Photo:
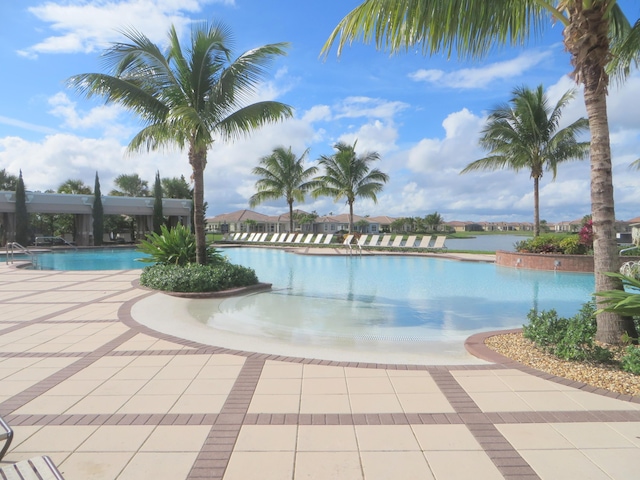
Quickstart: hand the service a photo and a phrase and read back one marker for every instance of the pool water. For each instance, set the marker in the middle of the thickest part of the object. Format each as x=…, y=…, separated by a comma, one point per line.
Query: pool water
x=384, y=305
x=388, y=297
x=90, y=259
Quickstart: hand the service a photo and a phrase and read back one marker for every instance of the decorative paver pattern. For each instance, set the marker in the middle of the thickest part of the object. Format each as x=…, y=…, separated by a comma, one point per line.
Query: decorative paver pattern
x=108, y=398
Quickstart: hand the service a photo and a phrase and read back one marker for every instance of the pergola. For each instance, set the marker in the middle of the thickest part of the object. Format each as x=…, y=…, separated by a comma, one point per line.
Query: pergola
x=141, y=208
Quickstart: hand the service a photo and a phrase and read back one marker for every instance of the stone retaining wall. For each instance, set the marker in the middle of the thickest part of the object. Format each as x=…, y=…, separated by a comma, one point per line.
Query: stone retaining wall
x=556, y=262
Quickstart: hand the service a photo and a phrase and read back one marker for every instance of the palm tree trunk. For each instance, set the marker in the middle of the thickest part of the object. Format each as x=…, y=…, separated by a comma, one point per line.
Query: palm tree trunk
x=198, y=160
x=611, y=327
x=290, y=217
x=350, y=217
x=536, y=206
x=586, y=38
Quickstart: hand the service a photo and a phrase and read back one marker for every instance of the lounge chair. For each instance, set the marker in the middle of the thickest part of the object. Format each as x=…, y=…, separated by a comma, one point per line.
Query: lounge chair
x=319, y=238
x=260, y=237
x=439, y=244
x=274, y=237
x=6, y=435
x=282, y=238
x=425, y=241
x=397, y=242
x=290, y=237
x=36, y=468
x=298, y=238
x=347, y=241
x=235, y=236
x=411, y=241
x=362, y=240
x=385, y=241
x=308, y=238
x=328, y=239
x=251, y=237
x=374, y=241
x=243, y=236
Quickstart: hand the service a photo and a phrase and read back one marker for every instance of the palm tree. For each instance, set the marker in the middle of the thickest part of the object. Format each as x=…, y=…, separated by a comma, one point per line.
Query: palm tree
x=348, y=175
x=283, y=175
x=74, y=186
x=523, y=135
x=130, y=185
x=187, y=97
x=433, y=220
x=592, y=28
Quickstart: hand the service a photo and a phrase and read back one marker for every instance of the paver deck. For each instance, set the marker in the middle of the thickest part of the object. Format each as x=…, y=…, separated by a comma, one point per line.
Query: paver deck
x=107, y=398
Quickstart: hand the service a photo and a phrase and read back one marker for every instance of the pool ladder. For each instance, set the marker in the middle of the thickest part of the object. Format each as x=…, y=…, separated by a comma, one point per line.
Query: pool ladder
x=15, y=246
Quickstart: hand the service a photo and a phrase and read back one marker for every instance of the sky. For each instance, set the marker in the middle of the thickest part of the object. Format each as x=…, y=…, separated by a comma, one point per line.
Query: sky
x=422, y=115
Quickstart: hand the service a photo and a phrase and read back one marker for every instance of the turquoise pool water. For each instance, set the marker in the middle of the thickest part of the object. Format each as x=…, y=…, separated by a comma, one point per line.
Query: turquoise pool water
x=102, y=259
x=345, y=301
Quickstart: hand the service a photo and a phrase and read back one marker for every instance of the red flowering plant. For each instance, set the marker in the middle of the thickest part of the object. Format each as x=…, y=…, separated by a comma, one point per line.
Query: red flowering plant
x=586, y=234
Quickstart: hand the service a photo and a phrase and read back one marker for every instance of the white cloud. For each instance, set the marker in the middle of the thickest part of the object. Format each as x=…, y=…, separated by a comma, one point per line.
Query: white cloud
x=481, y=77
x=101, y=116
x=356, y=107
x=89, y=26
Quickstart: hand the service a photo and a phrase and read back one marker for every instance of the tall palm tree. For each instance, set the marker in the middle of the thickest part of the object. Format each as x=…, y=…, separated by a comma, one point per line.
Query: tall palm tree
x=349, y=176
x=524, y=135
x=473, y=29
x=283, y=175
x=187, y=97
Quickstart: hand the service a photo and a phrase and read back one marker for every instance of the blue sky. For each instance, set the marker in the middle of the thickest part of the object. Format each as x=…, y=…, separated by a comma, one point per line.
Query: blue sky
x=421, y=114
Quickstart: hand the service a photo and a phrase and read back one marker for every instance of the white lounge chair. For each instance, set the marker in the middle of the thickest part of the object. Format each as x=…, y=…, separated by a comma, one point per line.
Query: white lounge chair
x=411, y=241
x=298, y=238
x=290, y=238
x=328, y=239
x=236, y=236
x=374, y=241
x=262, y=237
x=347, y=241
x=425, y=241
x=385, y=241
x=439, y=243
x=244, y=236
x=251, y=237
x=282, y=238
x=362, y=240
x=274, y=237
x=397, y=242
x=308, y=238
x=319, y=238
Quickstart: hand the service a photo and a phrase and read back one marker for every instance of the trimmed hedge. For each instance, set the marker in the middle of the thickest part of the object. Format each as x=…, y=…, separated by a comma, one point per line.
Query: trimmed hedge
x=192, y=278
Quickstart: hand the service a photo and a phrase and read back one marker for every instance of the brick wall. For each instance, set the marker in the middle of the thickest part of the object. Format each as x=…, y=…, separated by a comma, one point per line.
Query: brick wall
x=540, y=261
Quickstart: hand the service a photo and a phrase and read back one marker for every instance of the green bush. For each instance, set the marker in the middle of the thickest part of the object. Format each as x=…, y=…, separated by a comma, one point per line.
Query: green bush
x=194, y=277
x=623, y=302
x=572, y=246
x=631, y=360
x=552, y=243
x=174, y=247
x=567, y=338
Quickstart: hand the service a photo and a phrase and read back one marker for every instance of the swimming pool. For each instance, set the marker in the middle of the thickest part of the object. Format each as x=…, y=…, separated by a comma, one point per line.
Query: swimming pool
x=378, y=304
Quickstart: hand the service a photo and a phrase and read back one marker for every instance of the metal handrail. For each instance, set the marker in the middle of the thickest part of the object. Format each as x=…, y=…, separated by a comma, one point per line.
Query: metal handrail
x=11, y=246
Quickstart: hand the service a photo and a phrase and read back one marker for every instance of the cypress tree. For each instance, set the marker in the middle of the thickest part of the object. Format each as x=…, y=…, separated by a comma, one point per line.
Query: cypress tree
x=22, y=216
x=98, y=214
x=158, y=217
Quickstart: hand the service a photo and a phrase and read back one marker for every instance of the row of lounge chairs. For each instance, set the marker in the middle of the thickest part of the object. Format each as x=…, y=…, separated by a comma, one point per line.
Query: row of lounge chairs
x=302, y=238
x=398, y=242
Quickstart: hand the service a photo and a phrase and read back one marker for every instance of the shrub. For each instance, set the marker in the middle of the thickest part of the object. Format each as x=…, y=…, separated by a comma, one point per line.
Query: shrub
x=174, y=247
x=630, y=361
x=194, y=277
x=552, y=243
x=572, y=246
x=567, y=338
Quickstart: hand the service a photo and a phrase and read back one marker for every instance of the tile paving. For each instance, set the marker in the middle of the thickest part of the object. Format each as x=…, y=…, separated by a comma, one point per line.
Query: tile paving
x=108, y=398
